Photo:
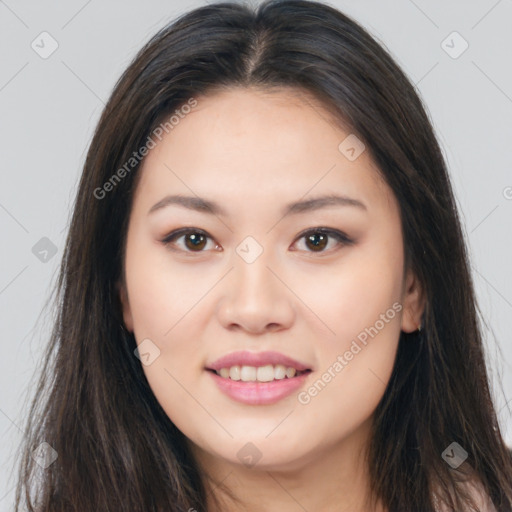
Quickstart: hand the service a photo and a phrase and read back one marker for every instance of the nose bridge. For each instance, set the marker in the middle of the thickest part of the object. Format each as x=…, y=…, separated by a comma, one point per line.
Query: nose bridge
x=254, y=298
x=252, y=262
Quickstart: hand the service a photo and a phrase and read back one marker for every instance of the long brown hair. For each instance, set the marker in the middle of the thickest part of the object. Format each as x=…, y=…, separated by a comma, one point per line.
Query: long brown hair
x=116, y=448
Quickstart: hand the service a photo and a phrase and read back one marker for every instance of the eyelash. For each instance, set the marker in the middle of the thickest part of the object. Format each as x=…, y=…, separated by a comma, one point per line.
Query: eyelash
x=339, y=236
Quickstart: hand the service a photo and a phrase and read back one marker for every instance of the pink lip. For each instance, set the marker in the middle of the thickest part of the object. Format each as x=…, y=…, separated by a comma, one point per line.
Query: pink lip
x=246, y=358
x=258, y=393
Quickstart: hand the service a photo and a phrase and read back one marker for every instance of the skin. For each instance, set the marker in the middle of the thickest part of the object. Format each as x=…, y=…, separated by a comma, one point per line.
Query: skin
x=253, y=152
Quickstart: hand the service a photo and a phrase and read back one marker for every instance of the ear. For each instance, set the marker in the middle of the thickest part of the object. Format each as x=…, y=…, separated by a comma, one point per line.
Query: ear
x=413, y=302
x=125, y=305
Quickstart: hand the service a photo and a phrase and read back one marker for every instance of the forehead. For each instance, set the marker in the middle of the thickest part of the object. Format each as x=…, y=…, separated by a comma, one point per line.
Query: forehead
x=252, y=145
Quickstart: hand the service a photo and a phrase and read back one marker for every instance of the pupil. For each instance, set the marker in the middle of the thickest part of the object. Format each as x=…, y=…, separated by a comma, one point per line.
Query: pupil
x=196, y=241
x=318, y=243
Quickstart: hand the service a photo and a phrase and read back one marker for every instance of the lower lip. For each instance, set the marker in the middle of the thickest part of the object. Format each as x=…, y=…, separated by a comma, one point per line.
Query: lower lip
x=259, y=393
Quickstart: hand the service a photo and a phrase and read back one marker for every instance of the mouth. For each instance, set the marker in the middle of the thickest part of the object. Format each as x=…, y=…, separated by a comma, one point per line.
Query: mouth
x=263, y=385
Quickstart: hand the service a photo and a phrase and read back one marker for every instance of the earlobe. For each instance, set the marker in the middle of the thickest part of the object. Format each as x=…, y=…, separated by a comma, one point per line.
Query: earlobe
x=414, y=304
x=125, y=305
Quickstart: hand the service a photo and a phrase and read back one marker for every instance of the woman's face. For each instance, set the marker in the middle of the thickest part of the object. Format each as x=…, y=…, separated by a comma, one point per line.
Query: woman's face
x=255, y=274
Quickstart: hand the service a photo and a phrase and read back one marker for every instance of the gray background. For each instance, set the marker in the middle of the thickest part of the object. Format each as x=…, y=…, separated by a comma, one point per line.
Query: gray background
x=49, y=108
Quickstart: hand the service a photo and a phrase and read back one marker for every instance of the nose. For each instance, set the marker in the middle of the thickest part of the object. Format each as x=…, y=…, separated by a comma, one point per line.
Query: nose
x=255, y=298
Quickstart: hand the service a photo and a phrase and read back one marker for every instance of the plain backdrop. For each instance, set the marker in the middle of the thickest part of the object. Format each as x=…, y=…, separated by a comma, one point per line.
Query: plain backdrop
x=49, y=106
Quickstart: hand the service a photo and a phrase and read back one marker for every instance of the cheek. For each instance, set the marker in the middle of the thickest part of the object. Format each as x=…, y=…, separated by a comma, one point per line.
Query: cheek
x=353, y=294
x=166, y=309
x=162, y=295
x=354, y=371
x=361, y=306
x=166, y=315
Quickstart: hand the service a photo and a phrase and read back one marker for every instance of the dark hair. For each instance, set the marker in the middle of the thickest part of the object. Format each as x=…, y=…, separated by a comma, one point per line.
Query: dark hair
x=118, y=450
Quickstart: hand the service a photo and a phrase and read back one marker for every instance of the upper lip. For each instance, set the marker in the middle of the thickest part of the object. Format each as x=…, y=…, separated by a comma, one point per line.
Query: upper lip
x=246, y=358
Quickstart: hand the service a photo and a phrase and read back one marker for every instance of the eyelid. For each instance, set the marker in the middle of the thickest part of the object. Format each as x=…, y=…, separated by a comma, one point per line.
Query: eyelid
x=335, y=233
x=341, y=237
x=168, y=239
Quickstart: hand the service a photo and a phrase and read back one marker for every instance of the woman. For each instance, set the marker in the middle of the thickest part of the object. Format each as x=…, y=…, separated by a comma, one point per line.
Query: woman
x=265, y=298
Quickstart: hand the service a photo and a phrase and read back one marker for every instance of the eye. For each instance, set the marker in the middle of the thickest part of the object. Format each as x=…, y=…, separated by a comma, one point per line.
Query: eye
x=317, y=239
x=195, y=240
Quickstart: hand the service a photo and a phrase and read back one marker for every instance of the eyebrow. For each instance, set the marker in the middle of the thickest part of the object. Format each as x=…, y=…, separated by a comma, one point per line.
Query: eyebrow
x=206, y=206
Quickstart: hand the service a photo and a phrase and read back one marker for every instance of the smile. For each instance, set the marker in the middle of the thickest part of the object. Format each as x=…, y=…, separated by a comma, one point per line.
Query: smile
x=265, y=373
x=254, y=391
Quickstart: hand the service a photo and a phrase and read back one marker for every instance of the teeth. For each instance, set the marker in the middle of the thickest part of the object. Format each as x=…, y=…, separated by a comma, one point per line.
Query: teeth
x=248, y=373
x=266, y=373
x=234, y=372
x=279, y=371
x=290, y=372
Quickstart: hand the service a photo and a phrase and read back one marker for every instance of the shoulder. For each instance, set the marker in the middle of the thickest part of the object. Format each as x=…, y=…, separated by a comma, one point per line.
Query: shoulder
x=475, y=489
x=481, y=497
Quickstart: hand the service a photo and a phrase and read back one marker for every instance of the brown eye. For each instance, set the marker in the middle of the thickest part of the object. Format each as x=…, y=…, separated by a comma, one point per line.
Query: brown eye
x=194, y=240
x=316, y=240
